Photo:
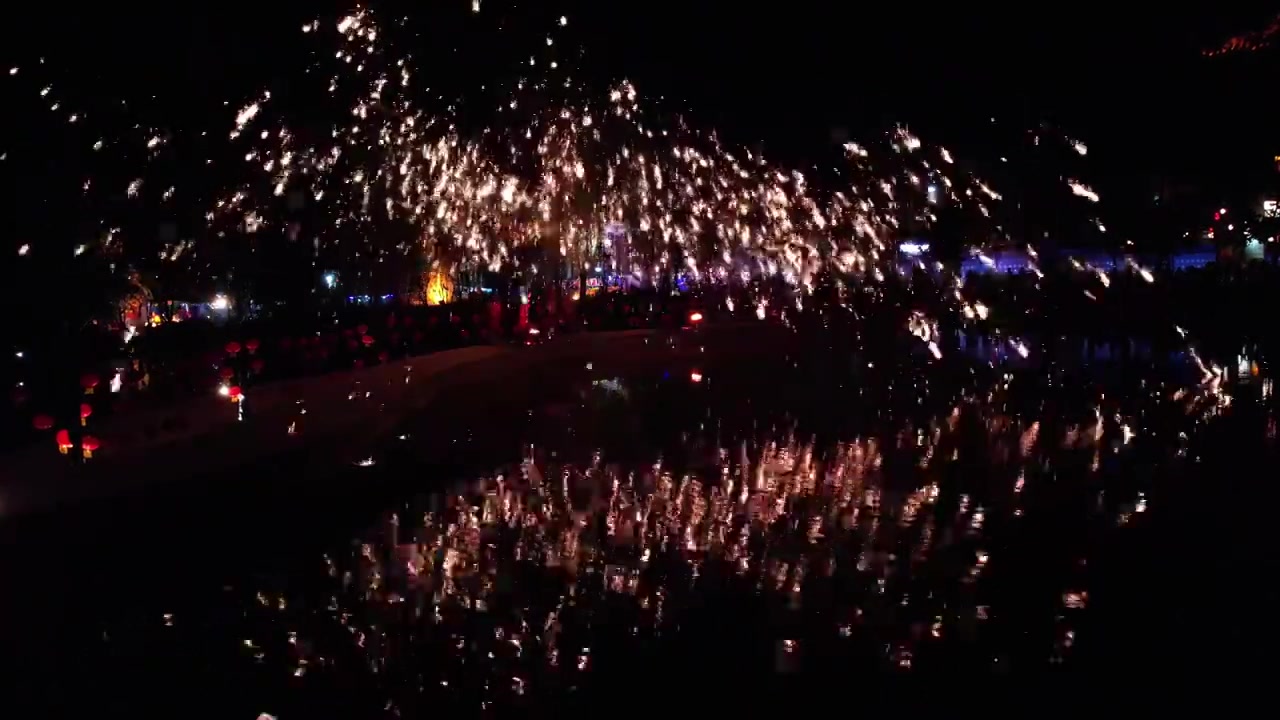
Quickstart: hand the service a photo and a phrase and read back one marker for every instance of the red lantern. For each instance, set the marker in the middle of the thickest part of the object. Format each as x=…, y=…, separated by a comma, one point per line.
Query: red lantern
x=233, y=348
x=226, y=373
x=367, y=340
x=362, y=329
x=358, y=364
x=257, y=365
x=234, y=392
x=88, y=444
x=382, y=356
x=251, y=345
x=42, y=422
x=63, y=439
x=85, y=411
x=89, y=381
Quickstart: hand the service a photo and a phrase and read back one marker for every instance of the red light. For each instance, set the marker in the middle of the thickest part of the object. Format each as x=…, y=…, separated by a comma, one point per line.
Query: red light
x=1217, y=216
x=695, y=317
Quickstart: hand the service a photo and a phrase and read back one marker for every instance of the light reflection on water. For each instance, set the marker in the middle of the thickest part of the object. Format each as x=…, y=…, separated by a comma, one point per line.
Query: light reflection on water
x=696, y=519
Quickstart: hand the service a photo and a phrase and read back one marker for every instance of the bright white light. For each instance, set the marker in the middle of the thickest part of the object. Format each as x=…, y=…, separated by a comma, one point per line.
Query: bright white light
x=912, y=248
x=116, y=383
x=224, y=390
x=330, y=280
x=220, y=302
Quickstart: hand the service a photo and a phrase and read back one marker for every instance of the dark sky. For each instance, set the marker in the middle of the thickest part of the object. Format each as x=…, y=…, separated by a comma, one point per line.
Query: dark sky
x=1131, y=83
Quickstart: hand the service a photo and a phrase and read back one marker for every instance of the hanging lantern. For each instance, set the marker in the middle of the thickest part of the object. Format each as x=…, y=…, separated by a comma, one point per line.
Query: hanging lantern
x=383, y=356
x=362, y=329
x=88, y=444
x=257, y=365
x=367, y=340
x=89, y=381
x=63, y=439
x=85, y=411
x=235, y=393
x=439, y=289
x=226, y=373
x=233, y=348
x=251, y=345
x=42, y=422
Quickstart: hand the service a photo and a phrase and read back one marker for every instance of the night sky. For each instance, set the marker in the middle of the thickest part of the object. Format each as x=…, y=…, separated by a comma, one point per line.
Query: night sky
x=789, y=76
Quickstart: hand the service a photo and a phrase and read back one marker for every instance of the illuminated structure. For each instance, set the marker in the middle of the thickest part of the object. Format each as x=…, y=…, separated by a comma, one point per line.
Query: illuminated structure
x=439, y=288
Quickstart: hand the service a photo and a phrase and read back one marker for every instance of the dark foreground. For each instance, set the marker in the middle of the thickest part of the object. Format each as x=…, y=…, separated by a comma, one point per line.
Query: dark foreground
x=590, y=575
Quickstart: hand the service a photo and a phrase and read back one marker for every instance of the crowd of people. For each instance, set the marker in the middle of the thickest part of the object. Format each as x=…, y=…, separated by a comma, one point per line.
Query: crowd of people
x=1219, y=307
x=172, y=361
